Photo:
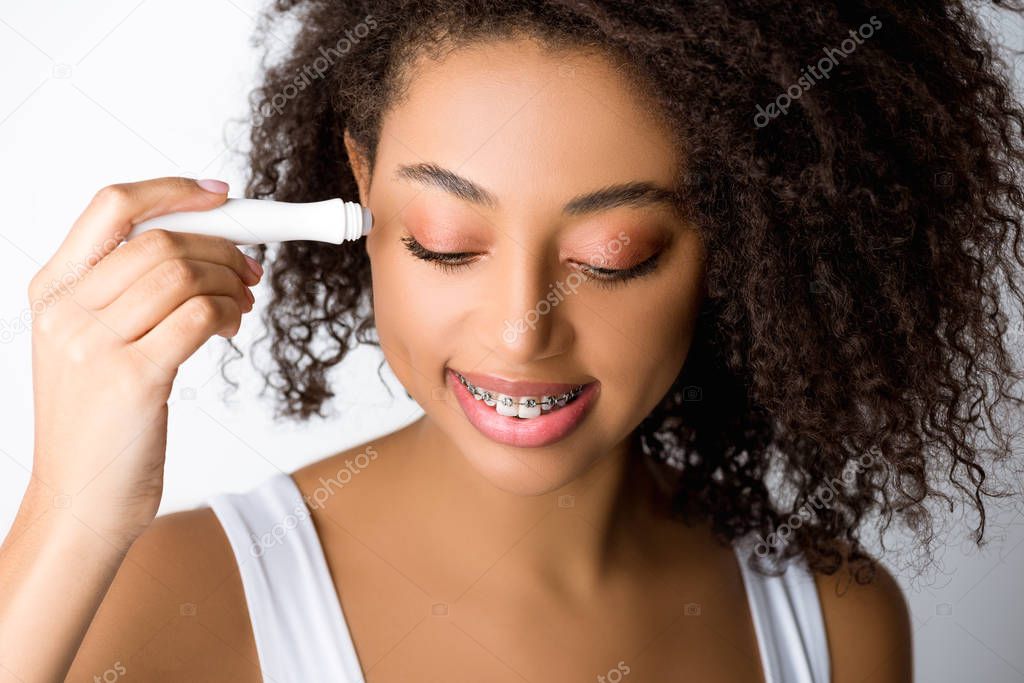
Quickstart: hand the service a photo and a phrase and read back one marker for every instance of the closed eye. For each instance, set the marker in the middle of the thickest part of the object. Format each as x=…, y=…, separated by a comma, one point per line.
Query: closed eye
x=603, y=277
x=608, y=277
x=447, y=261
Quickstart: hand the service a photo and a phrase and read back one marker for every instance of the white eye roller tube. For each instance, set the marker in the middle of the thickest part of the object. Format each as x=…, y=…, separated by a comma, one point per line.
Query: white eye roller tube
x=258, y=221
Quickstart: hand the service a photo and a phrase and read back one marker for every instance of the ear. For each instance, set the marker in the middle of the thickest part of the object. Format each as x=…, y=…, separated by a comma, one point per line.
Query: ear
x=360, y=167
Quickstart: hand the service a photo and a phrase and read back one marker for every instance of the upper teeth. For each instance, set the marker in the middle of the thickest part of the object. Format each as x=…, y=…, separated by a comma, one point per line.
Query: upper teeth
x=519, y=406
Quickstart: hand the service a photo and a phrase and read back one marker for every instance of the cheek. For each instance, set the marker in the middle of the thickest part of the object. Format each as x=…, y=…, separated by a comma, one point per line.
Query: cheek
x=644, y=339
x=413, y=312
x=641, y=353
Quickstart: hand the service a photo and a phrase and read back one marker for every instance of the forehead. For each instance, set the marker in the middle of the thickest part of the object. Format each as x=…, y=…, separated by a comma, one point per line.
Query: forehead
x=517, y=118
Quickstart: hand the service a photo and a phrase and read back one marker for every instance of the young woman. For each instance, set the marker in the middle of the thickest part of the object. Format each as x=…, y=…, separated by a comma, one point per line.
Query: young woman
x=689, y=293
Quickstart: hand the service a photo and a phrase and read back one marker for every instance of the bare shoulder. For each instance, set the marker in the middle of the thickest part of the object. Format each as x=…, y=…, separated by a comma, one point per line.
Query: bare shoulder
x=868, y=627
x=364, y=463
x=175, y=611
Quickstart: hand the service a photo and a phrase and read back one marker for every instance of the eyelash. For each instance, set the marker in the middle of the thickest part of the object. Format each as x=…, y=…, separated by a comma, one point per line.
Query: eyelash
x=606, y=277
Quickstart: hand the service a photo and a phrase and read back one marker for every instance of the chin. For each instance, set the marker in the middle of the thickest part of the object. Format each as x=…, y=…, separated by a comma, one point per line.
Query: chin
x=529, y=471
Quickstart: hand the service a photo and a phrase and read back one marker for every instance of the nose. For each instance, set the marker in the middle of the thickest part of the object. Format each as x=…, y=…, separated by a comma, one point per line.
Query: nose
x=524, y=317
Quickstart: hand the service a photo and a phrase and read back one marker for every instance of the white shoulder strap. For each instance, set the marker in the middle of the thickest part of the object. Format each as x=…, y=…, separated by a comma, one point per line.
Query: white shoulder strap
x=297, y=621
x=787, y=617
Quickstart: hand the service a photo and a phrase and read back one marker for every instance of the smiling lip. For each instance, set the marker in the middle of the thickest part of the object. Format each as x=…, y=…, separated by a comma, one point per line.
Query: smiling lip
x=512, y=388
x=550, y=427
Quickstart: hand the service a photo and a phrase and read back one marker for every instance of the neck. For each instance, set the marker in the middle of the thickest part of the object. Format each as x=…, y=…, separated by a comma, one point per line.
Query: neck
x=569, y=539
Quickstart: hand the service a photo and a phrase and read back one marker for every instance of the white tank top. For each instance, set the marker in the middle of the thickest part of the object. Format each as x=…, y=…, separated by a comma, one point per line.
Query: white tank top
x=300, y=630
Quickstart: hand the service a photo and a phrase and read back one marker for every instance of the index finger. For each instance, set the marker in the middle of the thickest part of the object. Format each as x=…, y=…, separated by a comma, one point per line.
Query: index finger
x=116, y=208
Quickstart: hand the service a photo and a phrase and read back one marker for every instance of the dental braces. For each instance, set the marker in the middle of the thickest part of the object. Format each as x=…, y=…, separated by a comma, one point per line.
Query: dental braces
x=507, y=401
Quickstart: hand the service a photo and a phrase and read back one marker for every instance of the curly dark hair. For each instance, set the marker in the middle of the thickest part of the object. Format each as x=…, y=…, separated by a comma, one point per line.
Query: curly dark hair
x=861, y=234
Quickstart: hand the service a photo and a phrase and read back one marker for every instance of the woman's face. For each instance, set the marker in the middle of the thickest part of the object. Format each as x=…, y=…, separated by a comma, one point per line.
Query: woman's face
x=491, y=156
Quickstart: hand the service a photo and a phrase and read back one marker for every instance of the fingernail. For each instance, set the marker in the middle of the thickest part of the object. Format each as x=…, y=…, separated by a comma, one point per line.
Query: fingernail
x=254, y=265
x=252, y=298
x=211, y=185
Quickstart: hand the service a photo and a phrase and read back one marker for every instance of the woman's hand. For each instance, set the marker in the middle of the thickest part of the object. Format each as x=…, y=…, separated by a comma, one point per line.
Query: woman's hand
x=114, y=326
x=111, y=325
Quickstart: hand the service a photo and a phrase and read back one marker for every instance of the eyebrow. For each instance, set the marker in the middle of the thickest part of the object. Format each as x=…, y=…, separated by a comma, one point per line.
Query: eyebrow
x=636, y=193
